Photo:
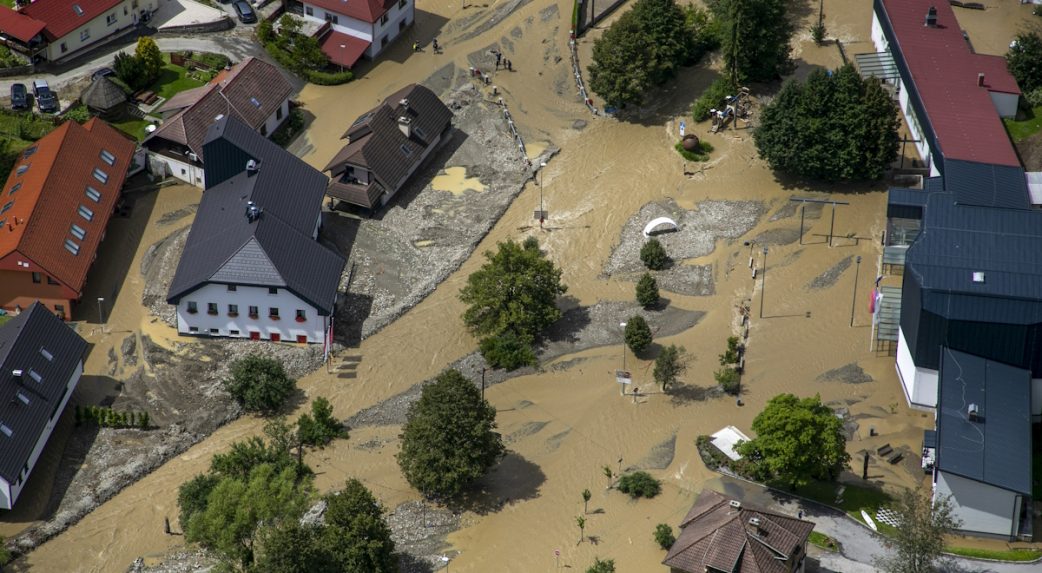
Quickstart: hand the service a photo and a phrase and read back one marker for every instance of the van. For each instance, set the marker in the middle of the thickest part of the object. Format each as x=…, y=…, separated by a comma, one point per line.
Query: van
x=45, y=98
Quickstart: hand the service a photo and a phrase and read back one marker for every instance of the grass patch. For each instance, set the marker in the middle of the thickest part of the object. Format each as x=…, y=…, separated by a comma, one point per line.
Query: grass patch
x=704, y=149
x=1020, y=130
x=1001, y=555
x=172, y=80
x=854, y=499
x=4, y=318
x=132, y=126
x=8, y=3
x=824, y=541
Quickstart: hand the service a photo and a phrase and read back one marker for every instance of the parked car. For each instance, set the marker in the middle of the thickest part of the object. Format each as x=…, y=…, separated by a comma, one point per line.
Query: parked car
x=19, y=96
x=44, y=97
x=102, y=73
x=245, y=12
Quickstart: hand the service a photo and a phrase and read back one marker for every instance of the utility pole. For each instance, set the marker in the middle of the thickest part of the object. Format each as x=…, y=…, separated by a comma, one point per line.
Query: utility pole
x=763, y=280
x=101, y=313
x=853, y=300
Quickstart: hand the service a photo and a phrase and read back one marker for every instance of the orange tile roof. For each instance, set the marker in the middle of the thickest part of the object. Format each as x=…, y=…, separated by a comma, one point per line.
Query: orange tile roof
x=45, y=189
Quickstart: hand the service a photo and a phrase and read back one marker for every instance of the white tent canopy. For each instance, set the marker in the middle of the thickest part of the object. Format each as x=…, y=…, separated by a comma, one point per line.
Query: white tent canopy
x=655, y=224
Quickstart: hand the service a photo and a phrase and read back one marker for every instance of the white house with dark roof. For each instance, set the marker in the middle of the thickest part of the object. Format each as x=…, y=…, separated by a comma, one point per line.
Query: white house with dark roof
x=252, y=266
x=41, y=361
x=253, y=91
x=356, y=28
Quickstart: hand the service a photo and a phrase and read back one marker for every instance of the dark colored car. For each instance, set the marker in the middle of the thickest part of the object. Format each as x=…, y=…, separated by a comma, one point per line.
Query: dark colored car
x=102, y=73
x=45, y=98
x=245, y=12
x=19, y=96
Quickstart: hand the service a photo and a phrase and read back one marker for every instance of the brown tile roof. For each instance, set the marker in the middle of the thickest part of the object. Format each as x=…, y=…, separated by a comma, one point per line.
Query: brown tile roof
x=251, y=91
x=715, y=535
x=376, y=143
x=46, y=189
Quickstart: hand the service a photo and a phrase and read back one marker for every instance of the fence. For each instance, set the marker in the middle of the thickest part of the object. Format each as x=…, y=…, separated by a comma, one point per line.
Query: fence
x=578, y=74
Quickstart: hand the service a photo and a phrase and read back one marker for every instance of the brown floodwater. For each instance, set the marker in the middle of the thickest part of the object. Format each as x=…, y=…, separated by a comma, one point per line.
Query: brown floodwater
x=566, y=423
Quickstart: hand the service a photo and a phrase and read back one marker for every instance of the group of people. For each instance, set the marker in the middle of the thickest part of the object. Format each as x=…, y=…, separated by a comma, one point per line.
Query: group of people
x=434, y=46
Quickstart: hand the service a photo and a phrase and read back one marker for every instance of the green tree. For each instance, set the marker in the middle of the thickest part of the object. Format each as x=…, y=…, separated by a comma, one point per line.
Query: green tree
x=670, y=365
x=129, y=69
x=831, y=126
x=639, y=484
x=728, y=379
x=235, y=509
x=244, y=456
x=637, y=334
x=151, y=59
x=356, y=524
x=586, y=500
x=192, y=496
x=599, y=566
x=653, y=255
x=321, y=426
x=797, y=440
x=581, y=522
x=644, y=48
x=664, y=536
x=1024, y=60
x=647, y=291
x=259, y=384
x=514, y=293
x=5, y=555
x=508, y=350
x=449, y=440
x=754, y=36
x=295, y=548
x=917, y=545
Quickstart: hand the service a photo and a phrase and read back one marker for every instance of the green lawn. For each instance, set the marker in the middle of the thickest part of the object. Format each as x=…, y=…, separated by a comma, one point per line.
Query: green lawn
x=1019, y=130
x=824, y=541
x=173, y=79
x=132, y=126
x=4, y=318
x=1006, y=555
x=855, y=498
x=8, y=3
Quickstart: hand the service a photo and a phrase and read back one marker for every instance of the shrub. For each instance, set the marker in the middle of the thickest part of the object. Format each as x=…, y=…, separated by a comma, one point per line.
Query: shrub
x=508, y=350
x=704, y=148
x=712, y=98
x=329, y=78
x=259, y=384
x=728, y=379
x=79, y=114
x=639, y=484
x=290, y=128
x=653, y=255
x=605, y=566
x=637, y=334
x=320, y=427
x=647, y=291
x=817, y=33
x=664, y=536
x=1034, y=97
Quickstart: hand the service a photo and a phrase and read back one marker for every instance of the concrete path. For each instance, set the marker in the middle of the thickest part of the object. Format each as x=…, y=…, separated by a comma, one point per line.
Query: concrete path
x=860, y=546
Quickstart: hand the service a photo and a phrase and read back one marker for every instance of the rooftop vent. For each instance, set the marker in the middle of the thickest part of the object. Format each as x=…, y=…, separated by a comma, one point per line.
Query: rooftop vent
x=405, y=125
x=404, y=103
x=931, y=17
x=251, y=166
x=219, y=117
x=253, y=212
x=973, y=411
x=16, y=373
x=754, y=521
x=736, y=504
x=978, y=277
x=980, y=80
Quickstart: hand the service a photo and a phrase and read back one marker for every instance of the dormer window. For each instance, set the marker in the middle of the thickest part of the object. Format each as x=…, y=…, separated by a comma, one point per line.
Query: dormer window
x=108, y=157
x=93, y=194
x=100, y=175
x=86, y=213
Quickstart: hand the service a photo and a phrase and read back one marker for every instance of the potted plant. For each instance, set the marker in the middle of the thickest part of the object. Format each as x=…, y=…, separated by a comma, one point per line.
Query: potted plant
x=233, y=314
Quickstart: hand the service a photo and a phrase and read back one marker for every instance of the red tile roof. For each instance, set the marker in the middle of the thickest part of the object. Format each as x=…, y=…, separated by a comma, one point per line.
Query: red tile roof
x=719, y=536
x=945, y=74
x=61, y=16
x=364, y=10
x=45, y=198
x=349, y=54
x=18, y=25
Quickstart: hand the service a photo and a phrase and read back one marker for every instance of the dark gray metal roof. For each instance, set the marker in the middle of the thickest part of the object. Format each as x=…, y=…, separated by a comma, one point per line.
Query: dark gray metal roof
x=958, y=240
x=986, y=185
x=274, y=249
x=25, y=404
x=996, y=449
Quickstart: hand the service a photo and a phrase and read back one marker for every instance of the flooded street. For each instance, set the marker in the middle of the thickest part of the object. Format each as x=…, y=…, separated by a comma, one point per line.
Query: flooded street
x=563, y=424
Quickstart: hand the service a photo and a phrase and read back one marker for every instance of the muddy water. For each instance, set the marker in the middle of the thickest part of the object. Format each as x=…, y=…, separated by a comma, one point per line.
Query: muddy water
x=455, y=181
x=565, y=423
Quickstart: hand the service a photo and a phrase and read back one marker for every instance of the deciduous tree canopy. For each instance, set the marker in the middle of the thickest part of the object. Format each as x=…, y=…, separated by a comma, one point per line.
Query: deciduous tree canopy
x=831, y=126
x=259, y=384
x=919, y=542
x=754, y=37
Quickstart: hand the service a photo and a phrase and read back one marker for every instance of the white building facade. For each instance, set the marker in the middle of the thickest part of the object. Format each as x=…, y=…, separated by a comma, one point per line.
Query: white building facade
x=257, y=313
x=981, y=507
x=380, y=32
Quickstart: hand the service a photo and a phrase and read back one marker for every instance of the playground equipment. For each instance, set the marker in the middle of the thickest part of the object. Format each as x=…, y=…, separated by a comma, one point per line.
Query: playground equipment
x=736, y=108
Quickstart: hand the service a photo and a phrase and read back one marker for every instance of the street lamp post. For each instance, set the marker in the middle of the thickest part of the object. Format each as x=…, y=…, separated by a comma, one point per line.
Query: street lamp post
x=342, y=48
x=763, y=280
x=623, y=326
x=750, y=244
x=101, y=313
x=853, y=299
x=542, y=214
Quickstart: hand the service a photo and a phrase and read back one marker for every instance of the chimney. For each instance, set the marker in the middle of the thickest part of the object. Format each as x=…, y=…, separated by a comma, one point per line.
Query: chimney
x=754, y=526
x=980, y=80
x=973, y=412
x=405, y=125
x=253, y=212
x=735, y=504
x=931, y=17
x=251, y=167
x=16, y=373
x=404, y=103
